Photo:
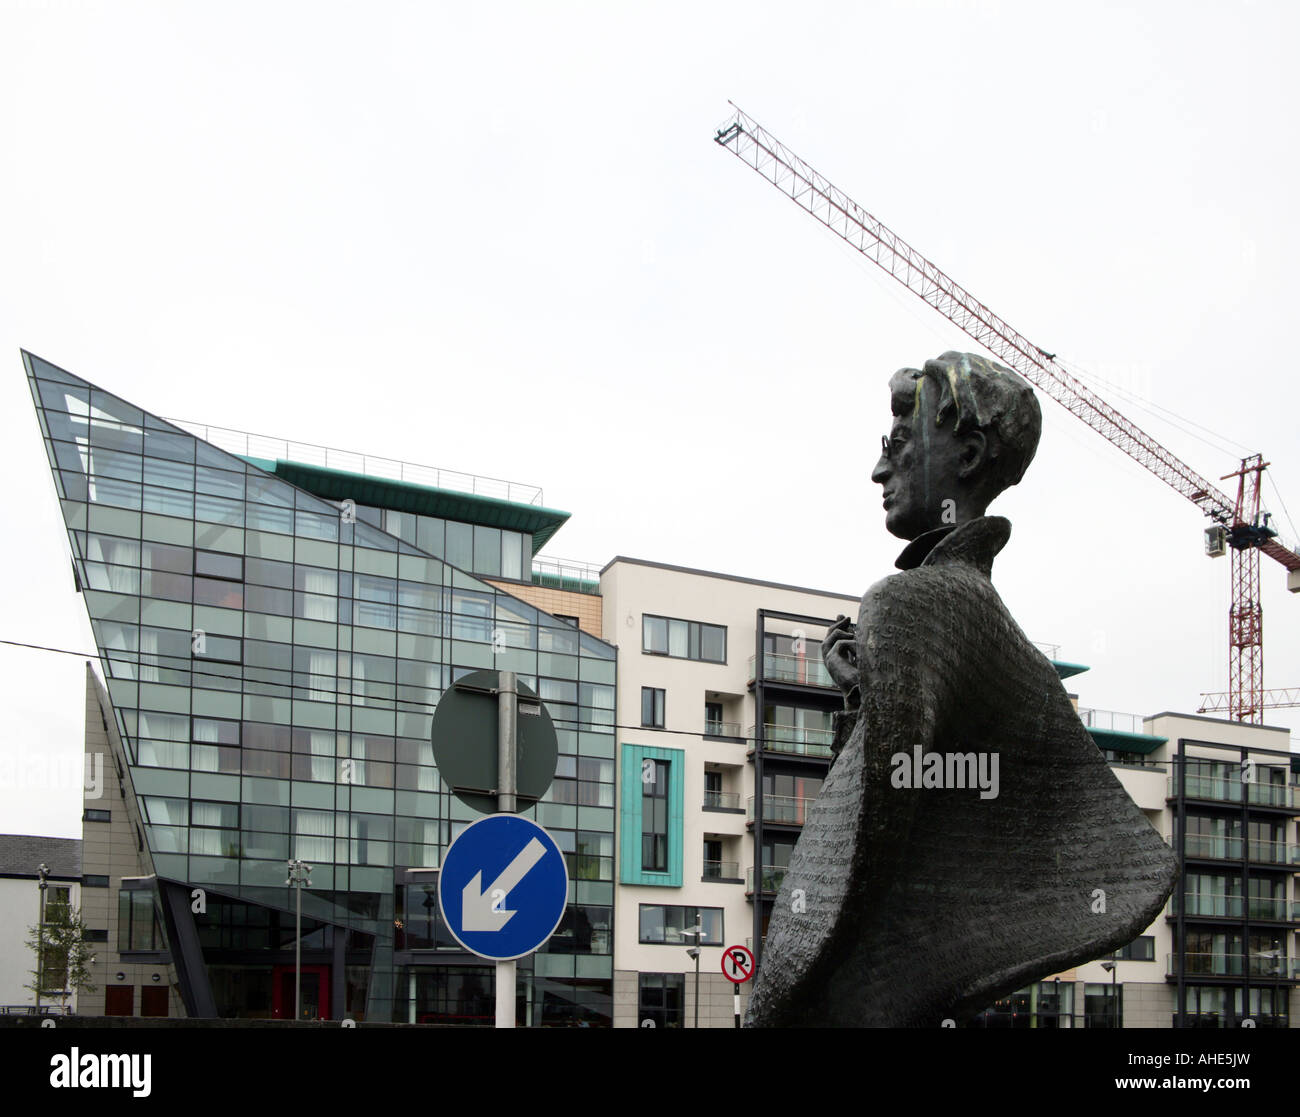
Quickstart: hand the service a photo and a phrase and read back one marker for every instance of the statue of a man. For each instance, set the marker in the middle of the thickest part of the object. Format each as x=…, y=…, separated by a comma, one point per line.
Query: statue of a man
x=969, y=838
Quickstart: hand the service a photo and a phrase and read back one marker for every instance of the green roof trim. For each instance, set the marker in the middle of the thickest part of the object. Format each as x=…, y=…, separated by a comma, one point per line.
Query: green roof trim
x=1121, y=741
x=403, y=496
x=1066, y=670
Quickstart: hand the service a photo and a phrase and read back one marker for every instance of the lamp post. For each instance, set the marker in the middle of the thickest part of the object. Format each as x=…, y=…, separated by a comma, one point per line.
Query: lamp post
x=1113, y=967
x=1056, y=981
x=42, y=871
x=299, y=875
x=697, y=933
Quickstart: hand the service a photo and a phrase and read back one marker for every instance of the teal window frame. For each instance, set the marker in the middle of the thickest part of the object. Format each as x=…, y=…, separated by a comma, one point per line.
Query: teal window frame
x=630, y=800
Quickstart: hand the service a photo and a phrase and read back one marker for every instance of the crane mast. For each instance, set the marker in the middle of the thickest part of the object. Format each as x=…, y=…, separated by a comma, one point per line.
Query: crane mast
x=1240, y=519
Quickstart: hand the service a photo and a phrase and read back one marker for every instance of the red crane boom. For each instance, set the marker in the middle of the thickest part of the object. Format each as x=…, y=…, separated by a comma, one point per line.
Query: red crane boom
x=764, y=153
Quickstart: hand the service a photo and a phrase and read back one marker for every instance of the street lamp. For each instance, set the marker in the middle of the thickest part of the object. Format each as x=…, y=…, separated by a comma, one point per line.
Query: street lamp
x=299, y=874
x=697, y=933
x=1113, y=967
x=42, y=871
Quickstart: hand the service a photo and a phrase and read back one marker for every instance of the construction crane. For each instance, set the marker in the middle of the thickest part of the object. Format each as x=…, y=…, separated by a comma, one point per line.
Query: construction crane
x=1239, y=526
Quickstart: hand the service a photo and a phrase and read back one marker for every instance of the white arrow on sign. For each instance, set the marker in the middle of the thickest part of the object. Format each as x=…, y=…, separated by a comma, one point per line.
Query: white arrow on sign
x=482, y=910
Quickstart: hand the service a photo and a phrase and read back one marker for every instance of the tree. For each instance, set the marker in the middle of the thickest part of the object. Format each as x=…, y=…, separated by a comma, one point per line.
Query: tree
x=65, y=956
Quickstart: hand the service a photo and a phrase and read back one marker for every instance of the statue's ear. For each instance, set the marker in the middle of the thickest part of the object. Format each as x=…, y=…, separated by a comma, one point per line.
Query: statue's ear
x=973, y=455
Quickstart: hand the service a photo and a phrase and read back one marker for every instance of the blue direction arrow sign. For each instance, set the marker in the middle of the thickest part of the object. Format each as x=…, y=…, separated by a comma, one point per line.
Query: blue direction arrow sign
x=503, y=887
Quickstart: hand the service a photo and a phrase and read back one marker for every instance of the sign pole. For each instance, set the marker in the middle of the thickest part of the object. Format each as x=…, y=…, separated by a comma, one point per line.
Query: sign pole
x=507, y=702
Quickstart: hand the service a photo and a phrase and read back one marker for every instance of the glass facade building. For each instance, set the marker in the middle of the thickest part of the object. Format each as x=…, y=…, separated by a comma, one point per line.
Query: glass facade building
x=274, y=640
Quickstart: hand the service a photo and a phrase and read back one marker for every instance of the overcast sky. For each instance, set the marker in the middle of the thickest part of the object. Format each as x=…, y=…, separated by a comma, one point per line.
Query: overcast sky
x=499, y=239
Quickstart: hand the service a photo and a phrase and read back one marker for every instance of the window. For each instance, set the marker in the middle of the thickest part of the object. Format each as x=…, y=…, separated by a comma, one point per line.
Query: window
x=663, y=923
x=214, y=564
x=94, y=935
x=661, y=1000
x=713, y=791
x=138, y=927
x=1103, y=1006
x=566, y=619
x=654, y=815
x=683, y=639
x=713, y=719
x=91, y=814
x=1141, y=949
x=652, y=707
x=92, y=880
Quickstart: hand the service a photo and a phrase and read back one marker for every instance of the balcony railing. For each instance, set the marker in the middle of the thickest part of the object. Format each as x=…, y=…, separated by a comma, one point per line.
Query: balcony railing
x=771, y=879
x=722, y=729
x=722, y=800
x=1234, y=965
x=781, y=668
x=721, y=870
x=1228, y=1020
x=307, y=453
x=1211, y=846
x=794, y=739
x=1273, y=853
x=1112, y=719
x=1232, y=907
x=1233, y=790
x=787, y=809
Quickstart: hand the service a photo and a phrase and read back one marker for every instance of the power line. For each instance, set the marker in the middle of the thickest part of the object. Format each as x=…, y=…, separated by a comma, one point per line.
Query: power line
x=335, y=692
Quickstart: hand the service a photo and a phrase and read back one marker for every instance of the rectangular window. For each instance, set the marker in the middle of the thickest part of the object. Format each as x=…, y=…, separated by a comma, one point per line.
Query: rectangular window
x=95, y=934
x=1141, y=949
x=683, y=639
x=661, y=1000
x=92, y=880
x=91, y=814
x=1103, y=1006
x=654, y=815
x=664, y=924
x=215, y=564
x=652, y=707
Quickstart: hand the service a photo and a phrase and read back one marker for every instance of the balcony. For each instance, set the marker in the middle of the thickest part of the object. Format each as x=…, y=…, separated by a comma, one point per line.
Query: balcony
x=771, y=880
x=722, y=800
x=728, y=871
x=780, y=668
x=1212, y=906
x=722, y=729
x=1213, y=847
x=1235, y=965
x=795, y=740
x=1231, y=791
x=1274, y=853
x=1210, y=847
x=788, y=810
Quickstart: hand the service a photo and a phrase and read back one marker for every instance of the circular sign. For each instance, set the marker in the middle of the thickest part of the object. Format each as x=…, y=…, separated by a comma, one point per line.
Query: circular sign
x=465, y=732
x=738, y=964
x=503, y=887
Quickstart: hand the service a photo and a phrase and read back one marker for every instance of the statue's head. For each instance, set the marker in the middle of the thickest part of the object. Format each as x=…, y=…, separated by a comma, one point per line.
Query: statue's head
x=965, y=428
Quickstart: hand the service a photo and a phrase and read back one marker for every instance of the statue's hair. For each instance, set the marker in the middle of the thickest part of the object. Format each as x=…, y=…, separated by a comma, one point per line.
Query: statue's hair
x=985, y=396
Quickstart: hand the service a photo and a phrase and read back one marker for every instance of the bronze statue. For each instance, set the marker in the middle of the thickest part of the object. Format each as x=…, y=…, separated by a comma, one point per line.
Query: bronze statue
x=969, y=838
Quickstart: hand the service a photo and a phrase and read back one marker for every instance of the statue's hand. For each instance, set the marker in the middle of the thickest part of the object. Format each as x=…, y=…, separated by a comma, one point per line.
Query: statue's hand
x=839, y=653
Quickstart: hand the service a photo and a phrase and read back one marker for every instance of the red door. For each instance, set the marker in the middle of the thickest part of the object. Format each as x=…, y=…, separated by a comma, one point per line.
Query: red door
x=315, y=992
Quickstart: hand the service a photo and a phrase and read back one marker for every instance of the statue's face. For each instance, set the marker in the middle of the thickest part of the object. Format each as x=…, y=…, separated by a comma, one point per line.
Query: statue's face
x=918, y=472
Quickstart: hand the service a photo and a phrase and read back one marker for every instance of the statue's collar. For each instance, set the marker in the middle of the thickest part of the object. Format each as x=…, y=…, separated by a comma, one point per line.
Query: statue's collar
x=975, y=542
